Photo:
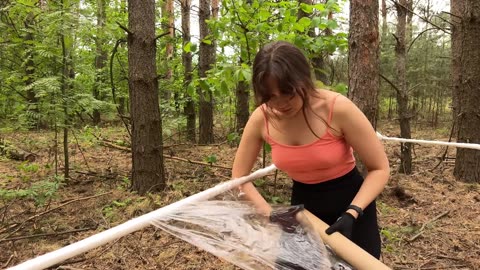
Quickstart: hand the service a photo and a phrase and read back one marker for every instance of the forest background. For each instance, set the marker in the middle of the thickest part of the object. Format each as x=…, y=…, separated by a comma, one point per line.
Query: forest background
x=113, y=108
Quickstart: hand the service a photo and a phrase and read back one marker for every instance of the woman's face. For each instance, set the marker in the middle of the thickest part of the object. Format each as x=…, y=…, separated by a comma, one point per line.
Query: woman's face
x=283, y=105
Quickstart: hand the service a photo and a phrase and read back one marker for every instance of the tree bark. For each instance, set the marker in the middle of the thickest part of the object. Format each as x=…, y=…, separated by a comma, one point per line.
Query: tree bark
x=189, y=108
x=167, y=14
x=466, y=85
x=206, y=60
x=68, y=74
x=402, y=91
x=242, y=93
x=100, y=58
x=147, y=160
x=242, y=105
x=363, y=60
x=363, y=57
x=384, y=20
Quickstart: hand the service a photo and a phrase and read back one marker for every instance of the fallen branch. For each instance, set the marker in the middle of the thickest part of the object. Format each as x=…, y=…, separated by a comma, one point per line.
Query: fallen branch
x=196, y=162
x=15, y=153
x=126, y=149
x=427, y=223
x=46, y=234
x=48, y=211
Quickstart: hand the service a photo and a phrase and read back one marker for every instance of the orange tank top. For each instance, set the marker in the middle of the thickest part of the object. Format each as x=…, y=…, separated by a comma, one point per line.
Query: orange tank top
x=325, y=159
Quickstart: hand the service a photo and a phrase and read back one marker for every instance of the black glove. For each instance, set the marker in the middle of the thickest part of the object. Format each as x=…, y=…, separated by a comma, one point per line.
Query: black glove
x=343, y=225
x=286, y=218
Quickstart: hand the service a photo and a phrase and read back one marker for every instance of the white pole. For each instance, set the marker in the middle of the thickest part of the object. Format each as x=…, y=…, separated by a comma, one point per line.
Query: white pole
x=460, y=145
x=133, y=225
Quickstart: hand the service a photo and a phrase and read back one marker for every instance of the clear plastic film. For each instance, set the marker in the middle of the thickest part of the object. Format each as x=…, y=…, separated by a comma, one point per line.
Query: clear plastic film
x=231, y=229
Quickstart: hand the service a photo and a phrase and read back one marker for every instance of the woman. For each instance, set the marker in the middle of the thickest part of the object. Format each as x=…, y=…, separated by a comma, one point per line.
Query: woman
x=312, y=133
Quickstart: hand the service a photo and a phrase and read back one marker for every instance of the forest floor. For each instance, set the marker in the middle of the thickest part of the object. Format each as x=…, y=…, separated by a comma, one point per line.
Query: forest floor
x=428, y=220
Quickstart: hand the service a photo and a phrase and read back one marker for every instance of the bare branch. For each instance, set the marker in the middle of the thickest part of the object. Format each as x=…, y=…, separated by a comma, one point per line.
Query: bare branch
x=124, y=28
x=421, y=17
x=421, y=33
x=390, y=82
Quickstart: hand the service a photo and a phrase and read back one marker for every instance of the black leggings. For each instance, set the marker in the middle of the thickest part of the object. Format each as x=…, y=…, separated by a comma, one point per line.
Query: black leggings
x=328, y=200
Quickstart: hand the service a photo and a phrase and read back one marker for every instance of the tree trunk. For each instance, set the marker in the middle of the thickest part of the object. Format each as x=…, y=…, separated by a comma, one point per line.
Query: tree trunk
x=363, y=60
x=189, y=108
x=100, y=57
x=466, y=85
x=242, y=93
x=32, y=99
x=67, y=77
x=384, y=20
x=363, y=57
x=167, y=14
x=242, y=105
x=402, y=93
x=147, y=150
x=206, y=60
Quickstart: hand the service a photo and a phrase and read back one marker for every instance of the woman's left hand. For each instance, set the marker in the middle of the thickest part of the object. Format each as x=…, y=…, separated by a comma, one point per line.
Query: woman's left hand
x=343, y=225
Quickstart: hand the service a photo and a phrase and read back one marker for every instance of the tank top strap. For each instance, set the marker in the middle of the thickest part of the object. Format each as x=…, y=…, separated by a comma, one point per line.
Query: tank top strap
x=265, y=117
x=330, y=113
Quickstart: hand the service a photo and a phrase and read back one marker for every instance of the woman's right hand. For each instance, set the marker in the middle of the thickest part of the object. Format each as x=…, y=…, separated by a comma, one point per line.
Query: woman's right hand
x=287, y=218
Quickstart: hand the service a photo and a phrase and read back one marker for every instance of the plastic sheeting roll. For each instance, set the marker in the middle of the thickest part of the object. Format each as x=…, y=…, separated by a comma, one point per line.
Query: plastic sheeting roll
x=233, y=231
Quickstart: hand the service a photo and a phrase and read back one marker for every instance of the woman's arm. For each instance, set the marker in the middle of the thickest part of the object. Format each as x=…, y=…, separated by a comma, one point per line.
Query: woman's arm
x=360, y=134
x=245, y=157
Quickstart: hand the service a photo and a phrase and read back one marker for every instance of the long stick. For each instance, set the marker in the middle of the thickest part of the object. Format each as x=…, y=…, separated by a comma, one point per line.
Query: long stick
x=133, y=225
x=460, y=145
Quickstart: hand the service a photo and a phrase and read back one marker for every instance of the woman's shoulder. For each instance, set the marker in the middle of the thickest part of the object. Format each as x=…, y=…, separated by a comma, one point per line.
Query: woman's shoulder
x=257, y=118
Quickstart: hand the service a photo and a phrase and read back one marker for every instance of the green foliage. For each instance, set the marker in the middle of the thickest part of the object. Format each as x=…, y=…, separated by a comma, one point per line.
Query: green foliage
x=277, y=200
x=32, y=62
x=428, y=68
x=110, y=210
x=211, y=159
x=40, y=192
x=233, y=138
x=32, y=59
x=267, y=147
x=28, y=167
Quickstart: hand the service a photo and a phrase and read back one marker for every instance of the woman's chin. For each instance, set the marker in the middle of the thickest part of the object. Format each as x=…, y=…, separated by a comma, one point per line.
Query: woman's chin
x=286, y=113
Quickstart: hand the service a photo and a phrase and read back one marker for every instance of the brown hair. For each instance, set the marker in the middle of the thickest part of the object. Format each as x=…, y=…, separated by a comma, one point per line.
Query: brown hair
x=285, y=63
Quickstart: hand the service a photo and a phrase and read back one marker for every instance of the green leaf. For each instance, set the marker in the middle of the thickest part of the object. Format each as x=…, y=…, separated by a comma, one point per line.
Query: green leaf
x=263, y=15
x=224, y=88
x=332, y=24
x=187, y=47
x=211, y=159
x=299, y=27
x=305, y=21
x=247, y=75
x=306, y=8
x=268, y=147
x=341, y=88
x=194, y=47
x=191, y=89
x=204, y=85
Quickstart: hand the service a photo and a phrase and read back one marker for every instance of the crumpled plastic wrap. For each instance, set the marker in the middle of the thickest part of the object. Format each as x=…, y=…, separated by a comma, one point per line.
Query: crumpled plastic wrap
x=232, y=230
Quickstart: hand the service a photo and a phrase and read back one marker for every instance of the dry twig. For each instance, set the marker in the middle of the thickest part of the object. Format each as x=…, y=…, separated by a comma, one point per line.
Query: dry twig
x=20, y=225
x=45, y=234
x=126, y=149
x=420, y=232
